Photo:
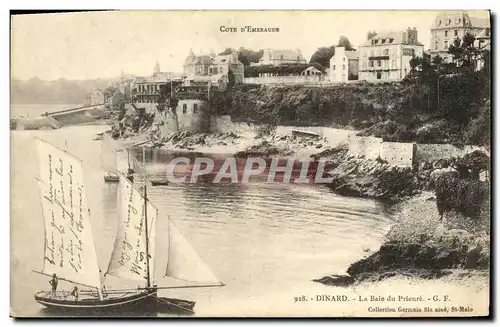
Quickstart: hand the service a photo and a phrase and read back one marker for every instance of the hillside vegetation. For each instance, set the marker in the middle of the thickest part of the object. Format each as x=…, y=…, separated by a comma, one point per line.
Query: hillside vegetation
x=435, y=103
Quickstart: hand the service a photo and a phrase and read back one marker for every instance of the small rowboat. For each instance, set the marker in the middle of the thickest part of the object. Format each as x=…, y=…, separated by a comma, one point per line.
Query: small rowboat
x=159, y=182
x=111, y=178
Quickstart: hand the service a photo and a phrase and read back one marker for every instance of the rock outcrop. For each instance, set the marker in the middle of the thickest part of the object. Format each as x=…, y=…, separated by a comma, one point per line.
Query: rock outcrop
x=434, y=258
x=374, y=179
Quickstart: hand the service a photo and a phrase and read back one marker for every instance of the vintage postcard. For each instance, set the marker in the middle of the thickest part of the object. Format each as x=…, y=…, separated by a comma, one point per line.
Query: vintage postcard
x=250, y=164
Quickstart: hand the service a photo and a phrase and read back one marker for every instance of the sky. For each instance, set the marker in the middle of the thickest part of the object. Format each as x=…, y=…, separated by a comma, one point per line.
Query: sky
x=103, y=44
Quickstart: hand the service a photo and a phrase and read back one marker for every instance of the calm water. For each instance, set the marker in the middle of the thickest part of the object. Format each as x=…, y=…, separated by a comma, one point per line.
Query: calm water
x=35, y=110
x=260, y=239
x=265, y=241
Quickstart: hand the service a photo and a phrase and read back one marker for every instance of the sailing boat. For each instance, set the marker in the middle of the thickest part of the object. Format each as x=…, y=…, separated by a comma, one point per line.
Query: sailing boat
x=70, y=251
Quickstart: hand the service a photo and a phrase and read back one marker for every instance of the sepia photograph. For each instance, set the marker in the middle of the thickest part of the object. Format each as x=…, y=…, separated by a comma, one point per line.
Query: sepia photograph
x=257, y=164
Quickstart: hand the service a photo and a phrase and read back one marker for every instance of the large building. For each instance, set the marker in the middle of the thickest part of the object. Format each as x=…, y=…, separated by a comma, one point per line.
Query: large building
x=344, y=65
x=449, y=26
x=386, y=56
x=273, y=57
x=210, y=65
x=146, y=90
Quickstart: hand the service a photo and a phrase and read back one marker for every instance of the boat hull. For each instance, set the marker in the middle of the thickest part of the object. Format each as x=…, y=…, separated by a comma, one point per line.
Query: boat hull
x=111, y=179
x=135, y=304
x=158, y=183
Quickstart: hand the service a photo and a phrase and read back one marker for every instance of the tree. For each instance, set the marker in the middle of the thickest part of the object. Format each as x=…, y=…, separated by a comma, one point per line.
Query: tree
x=344, y=42
x=465, y=53
x=370, y=34
x=245, y=56
x=323, y=55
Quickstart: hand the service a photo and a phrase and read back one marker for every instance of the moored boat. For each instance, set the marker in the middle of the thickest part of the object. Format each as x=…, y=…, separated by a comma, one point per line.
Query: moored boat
x=158, y=182
x=111, y=178
x=109, y=160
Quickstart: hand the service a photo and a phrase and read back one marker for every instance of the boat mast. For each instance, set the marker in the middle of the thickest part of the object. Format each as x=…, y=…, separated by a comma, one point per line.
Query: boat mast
x=148, y=279
x=128, y=159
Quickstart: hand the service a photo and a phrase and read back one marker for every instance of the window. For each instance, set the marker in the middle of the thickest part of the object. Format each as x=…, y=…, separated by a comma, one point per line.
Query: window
x=386, y=52
x=446, y=45
x=343, y=67
x=448, y=22
x=333, y=68
x=439, y=22
x=343, y=58
x=195, y=108
x=220, y=70
x=408, y=52
x=394, y=64
x=456, y=32
x=370, y=63
x=436, y=45
x=445, y=33
x=184, y=108
x=458, y=20
x=379, y=63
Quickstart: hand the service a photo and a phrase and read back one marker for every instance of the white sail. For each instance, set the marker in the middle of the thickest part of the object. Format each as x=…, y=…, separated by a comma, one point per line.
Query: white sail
x=69, y=243
x=183, y=261
x=128, y=259
x=109, y=156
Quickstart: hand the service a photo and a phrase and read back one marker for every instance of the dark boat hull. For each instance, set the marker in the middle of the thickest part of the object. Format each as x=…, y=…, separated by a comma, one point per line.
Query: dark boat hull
x=131, y=305
x=111, y=179
x=158, y=183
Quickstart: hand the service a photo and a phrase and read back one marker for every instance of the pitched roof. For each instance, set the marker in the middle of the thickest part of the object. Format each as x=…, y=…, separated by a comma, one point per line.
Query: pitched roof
x=285, y=54
x=389, y=37
x=221, y=59
x=202, y=78
x=312, y=68
x=479, y=22
x=224, y=59
x=452, y=19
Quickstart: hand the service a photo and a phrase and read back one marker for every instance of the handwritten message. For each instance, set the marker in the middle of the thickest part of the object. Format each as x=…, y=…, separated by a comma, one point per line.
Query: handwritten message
x=69, y=246
x=129, y=258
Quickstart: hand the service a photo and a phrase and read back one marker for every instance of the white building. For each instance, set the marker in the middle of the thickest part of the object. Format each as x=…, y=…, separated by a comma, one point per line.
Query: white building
x=274, y=57
x=344, y=65
x=449, y=26
x=386, y=56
